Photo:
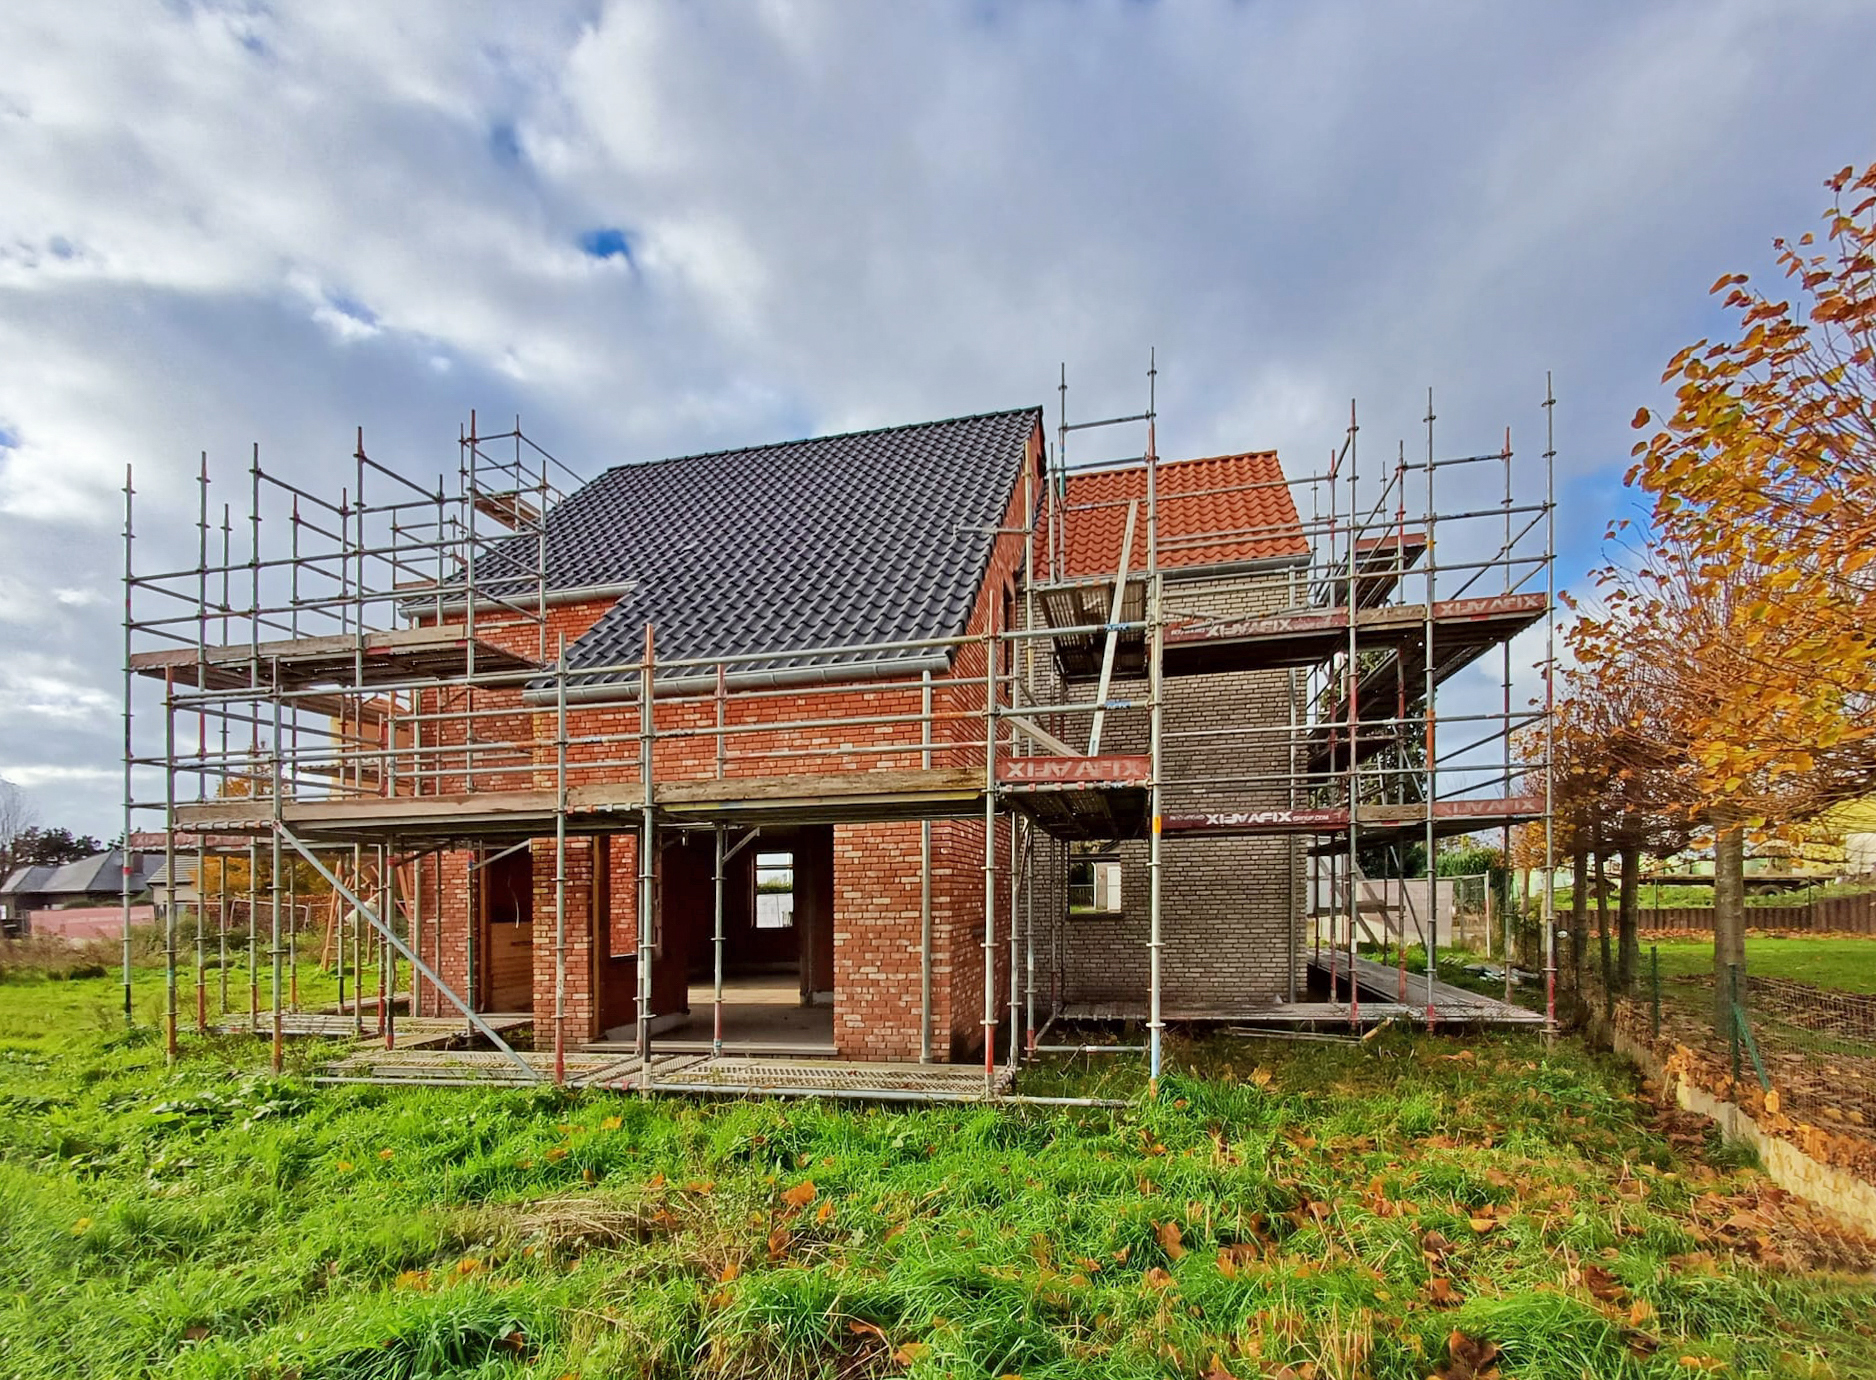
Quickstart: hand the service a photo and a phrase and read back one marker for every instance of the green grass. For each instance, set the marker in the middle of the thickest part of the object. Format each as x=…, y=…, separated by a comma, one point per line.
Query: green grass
x=1701, y=896
x=1846, y=964
x=1281, y=1204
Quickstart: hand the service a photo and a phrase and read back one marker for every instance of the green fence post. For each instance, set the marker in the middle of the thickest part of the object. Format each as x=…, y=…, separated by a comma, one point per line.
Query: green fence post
x=1732, y=1026
x=1654, y=988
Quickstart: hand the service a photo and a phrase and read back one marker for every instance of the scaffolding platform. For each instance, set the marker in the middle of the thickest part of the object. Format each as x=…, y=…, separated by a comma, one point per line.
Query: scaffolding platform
x=411, y=1032
x=1452, y=1005
x=1087, y=603
x=1381, y=563
x=436, y=652
x=1375, y=823
x=1089, y=806
x=696, y=1074
x=1302, y=639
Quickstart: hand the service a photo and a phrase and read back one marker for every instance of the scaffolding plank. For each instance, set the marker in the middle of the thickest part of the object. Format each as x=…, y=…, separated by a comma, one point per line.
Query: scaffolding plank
x=1306, y=638
x=833, y=797
x=432, y=652
x=826, y=797
x=1454, y=816
x=1450, y=1003
x=1058, y=773
x=1380, y=564
x=1087, y=603
x=513, y=508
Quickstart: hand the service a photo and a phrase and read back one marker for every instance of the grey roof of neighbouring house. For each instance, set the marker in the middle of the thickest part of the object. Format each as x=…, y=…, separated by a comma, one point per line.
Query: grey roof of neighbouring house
x=99, y=874
x=864, y=538
x=185, y=869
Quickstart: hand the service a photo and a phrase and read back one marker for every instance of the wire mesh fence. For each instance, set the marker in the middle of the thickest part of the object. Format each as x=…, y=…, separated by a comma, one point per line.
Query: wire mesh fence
x=1799, y=1057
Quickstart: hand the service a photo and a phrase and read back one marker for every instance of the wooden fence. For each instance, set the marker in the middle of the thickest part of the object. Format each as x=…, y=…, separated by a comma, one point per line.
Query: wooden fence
x=1843, y=914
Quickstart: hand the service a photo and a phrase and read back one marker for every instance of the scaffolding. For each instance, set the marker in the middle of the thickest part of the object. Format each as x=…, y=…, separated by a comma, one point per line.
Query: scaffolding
x=382, y=679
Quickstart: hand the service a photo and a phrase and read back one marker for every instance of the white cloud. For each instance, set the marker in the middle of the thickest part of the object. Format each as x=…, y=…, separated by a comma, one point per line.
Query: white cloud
x=226, y=223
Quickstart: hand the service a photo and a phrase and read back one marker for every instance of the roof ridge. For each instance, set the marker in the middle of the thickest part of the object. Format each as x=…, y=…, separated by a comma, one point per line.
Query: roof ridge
x=829, y=436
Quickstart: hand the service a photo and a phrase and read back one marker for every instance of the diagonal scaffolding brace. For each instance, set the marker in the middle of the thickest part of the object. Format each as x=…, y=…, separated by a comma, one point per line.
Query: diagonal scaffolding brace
x=377, y=922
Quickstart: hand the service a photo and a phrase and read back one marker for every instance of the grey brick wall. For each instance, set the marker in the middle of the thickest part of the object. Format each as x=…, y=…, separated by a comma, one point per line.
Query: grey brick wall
x=1231, y=914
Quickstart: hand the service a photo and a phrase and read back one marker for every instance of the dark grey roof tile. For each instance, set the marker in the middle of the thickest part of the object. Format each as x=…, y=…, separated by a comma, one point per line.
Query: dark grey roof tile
x=868, y=537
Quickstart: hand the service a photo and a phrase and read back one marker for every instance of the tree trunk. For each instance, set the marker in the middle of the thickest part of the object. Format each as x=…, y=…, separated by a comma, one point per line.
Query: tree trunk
x=1628, y=960
x=1602, y=915
x=1522, y=923
x=1579, y=913
x=1729, y=918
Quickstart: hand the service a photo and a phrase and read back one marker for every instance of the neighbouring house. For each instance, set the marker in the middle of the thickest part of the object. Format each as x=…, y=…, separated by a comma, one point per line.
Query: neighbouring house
x=182, y=891
x=90, y=889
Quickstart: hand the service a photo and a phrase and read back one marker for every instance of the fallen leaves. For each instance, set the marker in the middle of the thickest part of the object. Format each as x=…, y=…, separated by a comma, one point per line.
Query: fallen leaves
x=1468, y=1358
x=801, y=1194
x=1602, y=1285
x=1232, y=1260
x=1441, y=1292
x=1170, y=1240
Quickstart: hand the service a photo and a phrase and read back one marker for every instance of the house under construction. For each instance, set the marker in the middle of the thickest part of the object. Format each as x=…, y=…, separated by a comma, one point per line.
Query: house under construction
x=867, y=764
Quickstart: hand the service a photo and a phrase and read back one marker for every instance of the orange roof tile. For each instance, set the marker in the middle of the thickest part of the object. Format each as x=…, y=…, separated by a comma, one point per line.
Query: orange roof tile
x=1212, y=511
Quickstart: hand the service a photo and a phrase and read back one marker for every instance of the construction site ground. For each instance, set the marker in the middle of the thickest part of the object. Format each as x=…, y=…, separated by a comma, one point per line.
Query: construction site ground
x=1403, y=1207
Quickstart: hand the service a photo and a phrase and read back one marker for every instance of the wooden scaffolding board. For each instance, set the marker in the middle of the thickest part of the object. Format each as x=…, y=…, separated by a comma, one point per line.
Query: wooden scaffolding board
x=1375, y=822
x=821, y=798
x=1306, y=638
x=435, y=652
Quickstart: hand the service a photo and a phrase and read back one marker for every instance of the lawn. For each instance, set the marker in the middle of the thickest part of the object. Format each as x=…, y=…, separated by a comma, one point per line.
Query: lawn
x=1701, y=896
x=1847, y=964
x=1394, y=1209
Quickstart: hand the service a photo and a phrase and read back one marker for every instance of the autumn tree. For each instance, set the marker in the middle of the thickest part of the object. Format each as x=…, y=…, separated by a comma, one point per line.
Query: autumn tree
x=1764, y=497
x=1620, y=772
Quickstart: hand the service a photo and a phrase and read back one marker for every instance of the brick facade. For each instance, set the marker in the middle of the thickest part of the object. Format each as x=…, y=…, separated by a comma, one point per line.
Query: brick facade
x=1231, y=912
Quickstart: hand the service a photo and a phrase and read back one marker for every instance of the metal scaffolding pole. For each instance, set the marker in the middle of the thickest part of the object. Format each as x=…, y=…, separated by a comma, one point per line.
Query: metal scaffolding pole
x=1351, y=684
x=358, y=948
x=1156, y=715
x=1550, y=670
x=560, y=861
x=273, y=893
x=169, y=861
x=1505, y=836
x=129, y=746
x=1432, y=723
x=201, y=728
x=989, y=1019
x=647, y=860
x=387, y=967
x=924, y=881
x=1016, y=1010
x=368, y=916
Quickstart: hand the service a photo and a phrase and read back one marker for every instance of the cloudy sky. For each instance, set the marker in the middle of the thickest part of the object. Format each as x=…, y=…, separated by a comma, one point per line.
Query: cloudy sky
x=654, y=228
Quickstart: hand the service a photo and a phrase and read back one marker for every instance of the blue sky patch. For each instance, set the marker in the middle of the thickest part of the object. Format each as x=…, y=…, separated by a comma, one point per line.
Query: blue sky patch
x=607, y=243
x=505, y=144
x=348, y=306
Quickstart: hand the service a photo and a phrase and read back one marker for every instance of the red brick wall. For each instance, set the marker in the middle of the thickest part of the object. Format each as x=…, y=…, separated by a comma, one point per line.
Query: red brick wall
x=876, y=866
